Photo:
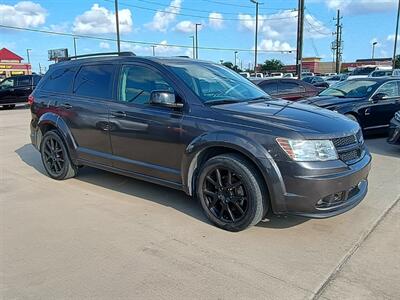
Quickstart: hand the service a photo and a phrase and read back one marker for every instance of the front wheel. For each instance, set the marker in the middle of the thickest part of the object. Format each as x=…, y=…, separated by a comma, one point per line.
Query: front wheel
x=55, y=157
x=231, y=192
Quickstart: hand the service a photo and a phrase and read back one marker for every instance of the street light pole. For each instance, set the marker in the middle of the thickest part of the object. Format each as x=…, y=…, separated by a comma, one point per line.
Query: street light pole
x=197, y=40
x=256, y=35
x=396, y=35
x=193, y=46
x=74, y=45
x=373, y=49
x=300, y=27
x=117, y=25
x=154, y=50
x=27, y=54
x=235, y=59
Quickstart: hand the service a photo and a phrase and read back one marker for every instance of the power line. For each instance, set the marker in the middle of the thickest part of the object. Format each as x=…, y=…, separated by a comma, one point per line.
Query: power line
x=138, y=42
x=190, y=15
x=239, y=5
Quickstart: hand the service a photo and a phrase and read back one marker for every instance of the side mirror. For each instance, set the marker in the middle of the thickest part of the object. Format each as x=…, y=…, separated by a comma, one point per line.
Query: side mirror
x=165, y=99
x=379, y=96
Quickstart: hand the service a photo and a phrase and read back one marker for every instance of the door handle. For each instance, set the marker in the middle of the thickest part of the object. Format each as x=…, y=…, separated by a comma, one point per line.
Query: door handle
x=66, y=105
x=118, y=114
x=367, y=112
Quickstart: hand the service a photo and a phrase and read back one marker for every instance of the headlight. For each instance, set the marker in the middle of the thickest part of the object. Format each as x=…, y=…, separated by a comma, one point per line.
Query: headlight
x=397, y=116
x=308, y=150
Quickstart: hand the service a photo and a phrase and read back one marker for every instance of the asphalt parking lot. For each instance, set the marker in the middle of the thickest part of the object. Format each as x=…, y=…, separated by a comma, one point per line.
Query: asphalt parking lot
x=105, y=236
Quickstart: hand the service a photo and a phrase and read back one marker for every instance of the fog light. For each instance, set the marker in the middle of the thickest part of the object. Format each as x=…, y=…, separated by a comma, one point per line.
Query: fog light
x=331, y=200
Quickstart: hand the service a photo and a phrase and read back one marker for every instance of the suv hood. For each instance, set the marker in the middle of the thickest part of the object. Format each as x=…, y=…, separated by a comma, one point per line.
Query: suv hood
x=305, y=120
x=326, y=101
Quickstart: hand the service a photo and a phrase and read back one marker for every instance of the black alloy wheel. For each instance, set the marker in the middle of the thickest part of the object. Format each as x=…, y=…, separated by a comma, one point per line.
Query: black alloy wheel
x=231, y=192
x=226, y=195
x=55, y=157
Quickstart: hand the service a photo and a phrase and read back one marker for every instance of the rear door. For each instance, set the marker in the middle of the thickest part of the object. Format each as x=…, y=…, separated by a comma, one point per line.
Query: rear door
x=379, y=114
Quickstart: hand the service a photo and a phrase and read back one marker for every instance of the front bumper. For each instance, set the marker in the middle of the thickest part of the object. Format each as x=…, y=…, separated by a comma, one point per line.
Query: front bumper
x=321, y=189
x=394, y=132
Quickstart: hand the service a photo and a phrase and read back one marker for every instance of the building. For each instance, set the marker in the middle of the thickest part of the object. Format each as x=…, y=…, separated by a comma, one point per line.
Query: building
x=11, y=64
x=315, y=65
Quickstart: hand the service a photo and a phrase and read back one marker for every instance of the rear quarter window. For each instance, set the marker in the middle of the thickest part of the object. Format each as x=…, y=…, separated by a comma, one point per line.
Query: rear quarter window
x=95, y=81
x=60, y=80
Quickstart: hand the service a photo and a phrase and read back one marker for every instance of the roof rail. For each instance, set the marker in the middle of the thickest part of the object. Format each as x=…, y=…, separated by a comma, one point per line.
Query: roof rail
x=101, y=54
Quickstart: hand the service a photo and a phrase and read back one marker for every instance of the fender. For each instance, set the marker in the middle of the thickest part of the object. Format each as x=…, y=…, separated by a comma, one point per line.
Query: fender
x=248, y=147
x=52, y=119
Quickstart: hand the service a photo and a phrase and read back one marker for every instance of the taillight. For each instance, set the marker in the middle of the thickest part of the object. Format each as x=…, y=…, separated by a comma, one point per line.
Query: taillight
x=31, y=99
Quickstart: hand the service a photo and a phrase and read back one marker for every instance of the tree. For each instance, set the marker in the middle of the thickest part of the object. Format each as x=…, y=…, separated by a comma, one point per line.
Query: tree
x=397, y=62
x=230, y=65
x=272, y=65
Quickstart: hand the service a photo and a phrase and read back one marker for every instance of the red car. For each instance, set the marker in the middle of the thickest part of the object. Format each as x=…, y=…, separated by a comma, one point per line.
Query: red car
x=288, y=89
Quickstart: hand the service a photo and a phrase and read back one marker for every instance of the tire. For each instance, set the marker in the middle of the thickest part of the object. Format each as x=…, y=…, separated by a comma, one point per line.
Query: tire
x=55, y=157
x=232, y=202
x=352, y=117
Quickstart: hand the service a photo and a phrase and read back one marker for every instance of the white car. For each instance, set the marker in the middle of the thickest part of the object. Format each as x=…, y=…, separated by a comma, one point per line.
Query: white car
x=364, y=71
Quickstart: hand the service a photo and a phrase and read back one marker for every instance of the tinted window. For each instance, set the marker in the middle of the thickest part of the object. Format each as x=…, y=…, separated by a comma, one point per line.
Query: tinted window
x=290, y=87
x=137, y=83
x=36, y=79
x=7, y=83
x=318, y=79
x=391, y=89
x=95, y=81
x=23, y=81
x=60, y=80
x=270, y=88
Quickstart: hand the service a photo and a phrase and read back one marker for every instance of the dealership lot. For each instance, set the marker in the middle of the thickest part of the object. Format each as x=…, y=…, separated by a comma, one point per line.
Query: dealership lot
x=106, y=236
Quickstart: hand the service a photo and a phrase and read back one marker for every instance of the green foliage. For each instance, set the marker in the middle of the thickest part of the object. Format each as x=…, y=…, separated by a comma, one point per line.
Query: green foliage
x=272, y=65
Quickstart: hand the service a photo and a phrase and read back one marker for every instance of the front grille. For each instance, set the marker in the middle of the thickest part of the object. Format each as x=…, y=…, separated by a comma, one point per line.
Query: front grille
x=350, y=148
x=350, y=155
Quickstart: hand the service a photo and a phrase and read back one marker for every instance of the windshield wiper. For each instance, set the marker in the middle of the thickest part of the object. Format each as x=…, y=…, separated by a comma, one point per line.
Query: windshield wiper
x=260, y=98
x=221, y=101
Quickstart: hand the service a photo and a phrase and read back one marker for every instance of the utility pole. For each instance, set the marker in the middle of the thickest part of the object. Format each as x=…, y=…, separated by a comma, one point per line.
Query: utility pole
x=193, y=47
x=74, y=45
x=197, y=40
x=40, y=69
x=255, y=36
x=338, y=45
x=396, y=36
x=235, y=58
x=27, y=54
x=154, y=49
x=300, y=28
x=373, y=49
x=117, y=25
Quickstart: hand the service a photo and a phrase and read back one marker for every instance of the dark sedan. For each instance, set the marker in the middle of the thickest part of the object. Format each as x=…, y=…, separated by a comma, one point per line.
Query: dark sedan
x=288, y=89
x=394, y=130
x=372, y=102
x=16, y=89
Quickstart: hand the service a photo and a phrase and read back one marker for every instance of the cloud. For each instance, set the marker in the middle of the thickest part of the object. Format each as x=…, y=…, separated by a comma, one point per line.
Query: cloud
x=359, y=7
x=162, y=49
x=186, y=27
x=23, y=14
x=163, y=18
x=391, y=37
x=270, y=45
x=215, y=20
x=104, y=45
x=100, y=20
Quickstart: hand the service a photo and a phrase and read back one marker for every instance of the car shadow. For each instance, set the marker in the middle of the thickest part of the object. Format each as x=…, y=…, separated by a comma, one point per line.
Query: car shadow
x=175, y=199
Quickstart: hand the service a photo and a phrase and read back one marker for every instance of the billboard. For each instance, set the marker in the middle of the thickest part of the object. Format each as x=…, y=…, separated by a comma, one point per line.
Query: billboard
x=58, y=54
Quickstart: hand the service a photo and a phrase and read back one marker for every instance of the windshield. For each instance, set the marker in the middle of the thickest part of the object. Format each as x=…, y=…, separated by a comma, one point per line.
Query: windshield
x=351, y=89
x=363, y=71
x=214, y=83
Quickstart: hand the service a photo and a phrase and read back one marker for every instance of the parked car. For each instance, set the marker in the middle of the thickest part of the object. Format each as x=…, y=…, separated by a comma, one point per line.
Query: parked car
x=394, y=129
x=276, y=74
x=245, y=74
x=371, y=102
x=16, y=89
x=382, y=73
x=307, y=74
x=288, y=89
x=316, y=81
x=364, y=71
x=289, y=75
x=335, y=79
x=202, y=128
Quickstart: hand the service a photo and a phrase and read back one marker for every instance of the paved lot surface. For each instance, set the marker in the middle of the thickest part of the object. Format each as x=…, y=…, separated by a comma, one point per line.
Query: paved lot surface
x=105, y=236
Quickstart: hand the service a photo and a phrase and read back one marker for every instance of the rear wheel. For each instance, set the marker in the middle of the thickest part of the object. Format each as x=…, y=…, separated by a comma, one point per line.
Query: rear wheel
x=231, y=192
x=55, y=157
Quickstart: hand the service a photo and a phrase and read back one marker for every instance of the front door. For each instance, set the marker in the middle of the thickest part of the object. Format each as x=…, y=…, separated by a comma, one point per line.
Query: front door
x=145, y=139
x=23, y=88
